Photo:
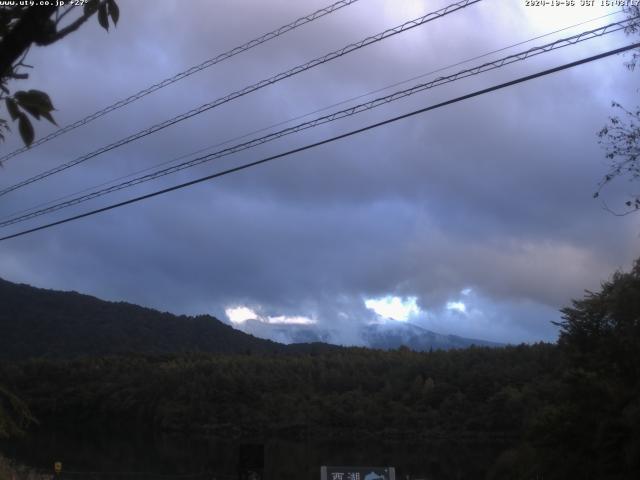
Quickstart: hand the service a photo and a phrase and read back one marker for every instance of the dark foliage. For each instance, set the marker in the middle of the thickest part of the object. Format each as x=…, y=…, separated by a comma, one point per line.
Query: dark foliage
x=23, y=25
x=570, y=410
x=15, y=416
x=621, y=135
x=597, y=422
x=589, y=425
x=478, y=393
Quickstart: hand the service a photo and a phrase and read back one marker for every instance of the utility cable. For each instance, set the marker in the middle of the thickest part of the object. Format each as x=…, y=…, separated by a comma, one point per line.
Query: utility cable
x=328, y=140
x=179, y=76
x=256, y=86
x=524, y=55
x=299, y=117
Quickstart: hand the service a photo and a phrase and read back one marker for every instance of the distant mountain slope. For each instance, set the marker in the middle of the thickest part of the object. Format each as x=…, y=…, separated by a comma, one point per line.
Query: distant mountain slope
x=387, y=335
x=286, y=333
x=392, y=334
x=36, y=322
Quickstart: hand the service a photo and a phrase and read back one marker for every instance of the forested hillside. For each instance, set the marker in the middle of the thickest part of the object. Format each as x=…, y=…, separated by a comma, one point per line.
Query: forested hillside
x=35, y=322
x=474, y=392
x=45, y=323
x=566, y=410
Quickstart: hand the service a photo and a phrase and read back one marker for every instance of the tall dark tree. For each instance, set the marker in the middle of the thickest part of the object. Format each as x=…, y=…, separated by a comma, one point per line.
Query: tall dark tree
x=599, y=420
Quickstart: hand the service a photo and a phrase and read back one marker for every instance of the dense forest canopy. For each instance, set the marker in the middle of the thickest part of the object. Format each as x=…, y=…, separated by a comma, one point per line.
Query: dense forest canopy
x=566, y=410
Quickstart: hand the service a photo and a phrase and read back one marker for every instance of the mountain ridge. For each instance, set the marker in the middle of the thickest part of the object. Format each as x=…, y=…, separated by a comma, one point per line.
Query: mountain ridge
x=384, y=335
x=393, y=334
x=46, y=323
x=37, y=322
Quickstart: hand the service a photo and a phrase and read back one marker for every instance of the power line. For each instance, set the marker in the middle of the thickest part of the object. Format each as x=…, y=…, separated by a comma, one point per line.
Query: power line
x=278, y=124
x=190, y=71
x=521, y=56
x=256, y=86
x=328, y=140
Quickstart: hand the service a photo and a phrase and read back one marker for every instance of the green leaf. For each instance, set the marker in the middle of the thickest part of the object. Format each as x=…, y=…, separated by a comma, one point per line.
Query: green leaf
x=12, y=108
x=103, y=19
x=114, y=11
x=90, y=7
x=48, y=116
x=41, y=99
x=26, y=129
x=35, y=102
x=32, y=110
x=34, y=98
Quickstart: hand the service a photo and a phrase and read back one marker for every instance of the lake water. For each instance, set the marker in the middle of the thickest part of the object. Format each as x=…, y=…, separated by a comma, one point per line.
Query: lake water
x=145, y=457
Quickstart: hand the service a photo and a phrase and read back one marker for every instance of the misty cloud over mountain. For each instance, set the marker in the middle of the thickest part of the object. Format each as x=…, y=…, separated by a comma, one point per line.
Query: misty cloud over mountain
x=491, y=196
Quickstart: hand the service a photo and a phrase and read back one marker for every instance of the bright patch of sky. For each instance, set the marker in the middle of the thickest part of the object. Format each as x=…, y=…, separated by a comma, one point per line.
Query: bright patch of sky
x=392, y=307
x=297, y=320
x=240, y=314
x=469, y=314
x=475, y=315
x=458, y=306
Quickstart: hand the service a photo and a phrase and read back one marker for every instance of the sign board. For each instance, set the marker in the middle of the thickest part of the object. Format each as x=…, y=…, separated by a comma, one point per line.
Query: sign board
x=357, y=473
x=57, y=467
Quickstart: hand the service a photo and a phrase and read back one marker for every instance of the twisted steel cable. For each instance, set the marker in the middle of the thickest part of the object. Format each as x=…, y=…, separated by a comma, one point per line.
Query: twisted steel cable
x=298, y=117
x=252, y=88
x=179, y=76
x=362, y=107
x=328, y=140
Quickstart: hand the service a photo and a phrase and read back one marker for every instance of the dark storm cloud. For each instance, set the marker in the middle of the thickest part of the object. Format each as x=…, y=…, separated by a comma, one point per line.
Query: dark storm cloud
x=493, y=194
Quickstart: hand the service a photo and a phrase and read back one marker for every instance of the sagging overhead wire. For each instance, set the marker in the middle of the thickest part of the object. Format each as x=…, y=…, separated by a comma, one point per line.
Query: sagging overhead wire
x=328, y=140
x=184, y=74
x=299, y=117
x=485, y=67
x=252, y=88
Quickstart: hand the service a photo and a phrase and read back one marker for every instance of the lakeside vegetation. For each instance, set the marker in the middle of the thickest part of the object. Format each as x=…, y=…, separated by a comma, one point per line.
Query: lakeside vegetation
x=398, y=394
x=565, y=410
x=11, y=471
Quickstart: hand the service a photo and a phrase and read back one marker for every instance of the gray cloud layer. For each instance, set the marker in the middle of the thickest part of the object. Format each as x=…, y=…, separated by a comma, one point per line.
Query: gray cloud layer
x=492, y=194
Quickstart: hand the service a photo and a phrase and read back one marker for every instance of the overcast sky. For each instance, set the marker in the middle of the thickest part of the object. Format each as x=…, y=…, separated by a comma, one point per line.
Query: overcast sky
x=475, y=219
